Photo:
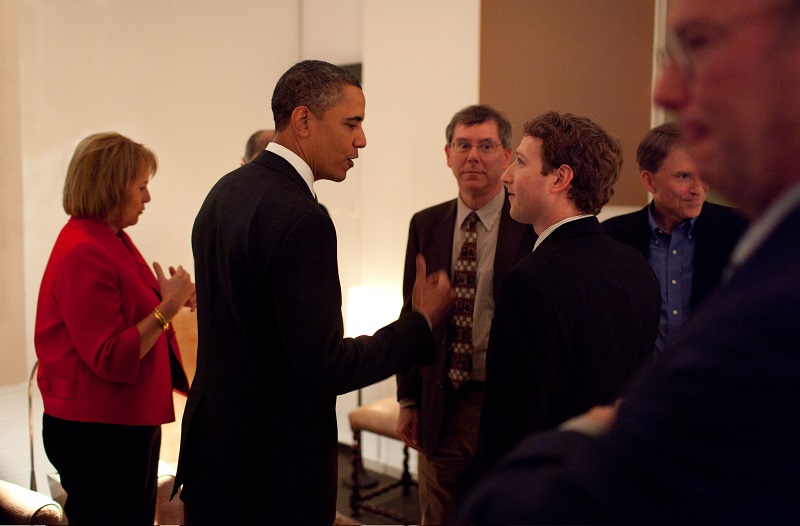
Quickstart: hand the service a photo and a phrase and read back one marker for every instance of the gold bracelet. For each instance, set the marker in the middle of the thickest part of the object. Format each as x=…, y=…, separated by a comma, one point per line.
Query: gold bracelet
x=162, y=321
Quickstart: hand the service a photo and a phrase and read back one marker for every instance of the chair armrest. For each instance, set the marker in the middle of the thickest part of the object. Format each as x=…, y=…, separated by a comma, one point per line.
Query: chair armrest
x=20, y=505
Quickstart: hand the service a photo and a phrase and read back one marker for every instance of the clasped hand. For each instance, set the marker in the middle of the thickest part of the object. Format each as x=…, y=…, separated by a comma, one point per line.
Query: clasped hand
x=432, y=294
x=178, y=289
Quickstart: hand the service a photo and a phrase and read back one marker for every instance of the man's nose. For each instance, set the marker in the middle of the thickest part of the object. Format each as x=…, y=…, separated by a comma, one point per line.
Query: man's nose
x=698, y=186
x=507, y=178
x=360, y=140
x=671, y=91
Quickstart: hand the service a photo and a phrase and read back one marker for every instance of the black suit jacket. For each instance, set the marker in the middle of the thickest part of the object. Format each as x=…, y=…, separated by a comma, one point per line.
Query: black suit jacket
x=574, y=320
x=431, y=234
x=717, y=230
x=709, y=435
x=260, y=423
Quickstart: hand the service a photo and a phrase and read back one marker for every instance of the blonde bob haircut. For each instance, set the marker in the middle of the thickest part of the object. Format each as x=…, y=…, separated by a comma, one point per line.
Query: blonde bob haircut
x=102, y=169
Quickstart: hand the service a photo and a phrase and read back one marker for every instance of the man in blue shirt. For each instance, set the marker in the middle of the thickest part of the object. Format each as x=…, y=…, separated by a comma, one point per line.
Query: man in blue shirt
x=686, y=240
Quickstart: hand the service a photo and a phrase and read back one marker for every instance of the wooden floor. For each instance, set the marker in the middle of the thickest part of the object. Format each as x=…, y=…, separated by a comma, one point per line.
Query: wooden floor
x=394, y=500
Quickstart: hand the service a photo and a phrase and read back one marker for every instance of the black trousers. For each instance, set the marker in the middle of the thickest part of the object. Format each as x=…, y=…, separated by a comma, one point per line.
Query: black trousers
x=109, y=471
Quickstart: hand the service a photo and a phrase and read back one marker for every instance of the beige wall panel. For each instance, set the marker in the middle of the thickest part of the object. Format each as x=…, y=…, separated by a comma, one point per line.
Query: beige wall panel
x=12, y=290
x=589, y=57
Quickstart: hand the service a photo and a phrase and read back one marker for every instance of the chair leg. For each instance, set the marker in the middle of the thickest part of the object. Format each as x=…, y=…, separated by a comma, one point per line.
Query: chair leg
x=360, y=498
x=405, y=479
x=355, y=487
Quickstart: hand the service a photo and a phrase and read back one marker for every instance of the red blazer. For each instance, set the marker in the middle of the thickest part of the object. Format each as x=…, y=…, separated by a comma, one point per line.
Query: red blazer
x=95, y=289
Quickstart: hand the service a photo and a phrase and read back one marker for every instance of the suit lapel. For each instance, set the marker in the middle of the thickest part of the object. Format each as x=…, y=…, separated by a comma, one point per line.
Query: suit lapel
x=142, y=269
x=120, y=247
x=276, y=163
x=440, y=252
x=642, y=236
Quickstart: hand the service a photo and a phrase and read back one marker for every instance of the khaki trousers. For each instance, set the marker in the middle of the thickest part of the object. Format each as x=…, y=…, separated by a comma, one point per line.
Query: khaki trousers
x=439, y=475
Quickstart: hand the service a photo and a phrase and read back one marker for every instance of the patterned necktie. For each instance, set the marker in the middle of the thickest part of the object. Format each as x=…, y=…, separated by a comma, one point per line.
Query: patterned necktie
x=464, y=277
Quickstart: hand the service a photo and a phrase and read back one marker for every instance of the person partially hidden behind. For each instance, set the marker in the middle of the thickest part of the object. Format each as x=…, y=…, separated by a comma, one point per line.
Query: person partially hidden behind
x=439, y=416
x=256, y=144
x=709, y=434
x=108, y=357
x=260, y=420
x=577, y=317
x=686, y=239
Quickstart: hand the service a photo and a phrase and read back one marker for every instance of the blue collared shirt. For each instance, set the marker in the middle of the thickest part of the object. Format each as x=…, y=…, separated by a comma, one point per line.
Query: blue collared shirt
x=672, y=259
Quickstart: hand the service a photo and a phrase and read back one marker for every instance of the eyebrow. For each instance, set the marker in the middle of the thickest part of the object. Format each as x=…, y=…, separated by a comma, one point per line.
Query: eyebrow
x=486, y=139
x=357, y=118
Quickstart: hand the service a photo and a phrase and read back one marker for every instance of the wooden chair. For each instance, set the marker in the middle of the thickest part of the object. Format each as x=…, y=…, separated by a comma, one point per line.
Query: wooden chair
x=379, y=417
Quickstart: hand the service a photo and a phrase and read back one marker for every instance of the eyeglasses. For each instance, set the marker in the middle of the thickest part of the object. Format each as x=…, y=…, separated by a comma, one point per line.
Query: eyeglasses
x=691, y=43
x=463, y=147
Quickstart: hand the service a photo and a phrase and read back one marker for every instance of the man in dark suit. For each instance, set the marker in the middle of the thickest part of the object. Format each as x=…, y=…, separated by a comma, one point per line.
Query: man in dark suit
x=576, y=317
x=686, y=239
x=256, y=144
x=710, y=434
x=437, y=416
x=259, y=428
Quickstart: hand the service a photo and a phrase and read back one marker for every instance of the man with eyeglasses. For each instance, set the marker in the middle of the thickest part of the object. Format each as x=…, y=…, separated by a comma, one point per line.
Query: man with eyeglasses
x=710, y=435
x=441, y=401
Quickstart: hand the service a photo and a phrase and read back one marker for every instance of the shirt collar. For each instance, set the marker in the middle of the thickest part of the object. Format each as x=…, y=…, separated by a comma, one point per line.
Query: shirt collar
x=761, y=229
x=655, y=229
x=297, y=163
x=489, y=213
x=549, y=230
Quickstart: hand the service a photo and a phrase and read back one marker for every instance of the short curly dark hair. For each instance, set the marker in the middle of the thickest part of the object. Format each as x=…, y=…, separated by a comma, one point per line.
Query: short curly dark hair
x=314, y=84
x=594, y=156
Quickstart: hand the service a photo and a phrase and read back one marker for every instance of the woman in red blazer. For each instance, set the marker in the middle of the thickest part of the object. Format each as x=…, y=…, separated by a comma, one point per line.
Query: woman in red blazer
x=108, y=359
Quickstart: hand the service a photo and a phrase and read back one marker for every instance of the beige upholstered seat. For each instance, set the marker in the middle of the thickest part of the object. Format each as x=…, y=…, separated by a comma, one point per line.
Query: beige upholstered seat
x=20, y=505
x=378, y=417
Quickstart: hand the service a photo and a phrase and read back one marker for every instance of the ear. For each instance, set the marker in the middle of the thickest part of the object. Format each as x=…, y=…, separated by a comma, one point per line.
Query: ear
x=447, y=154
x=299, y=121
x=647, y=181
x=563, y=178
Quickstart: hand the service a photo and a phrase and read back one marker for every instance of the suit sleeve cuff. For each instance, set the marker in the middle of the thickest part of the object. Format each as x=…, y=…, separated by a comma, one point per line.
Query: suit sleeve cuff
x=427, y=320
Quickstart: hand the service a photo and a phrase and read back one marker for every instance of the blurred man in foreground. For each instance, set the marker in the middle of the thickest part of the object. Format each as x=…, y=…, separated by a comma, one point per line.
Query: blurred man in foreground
x=710, y=434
